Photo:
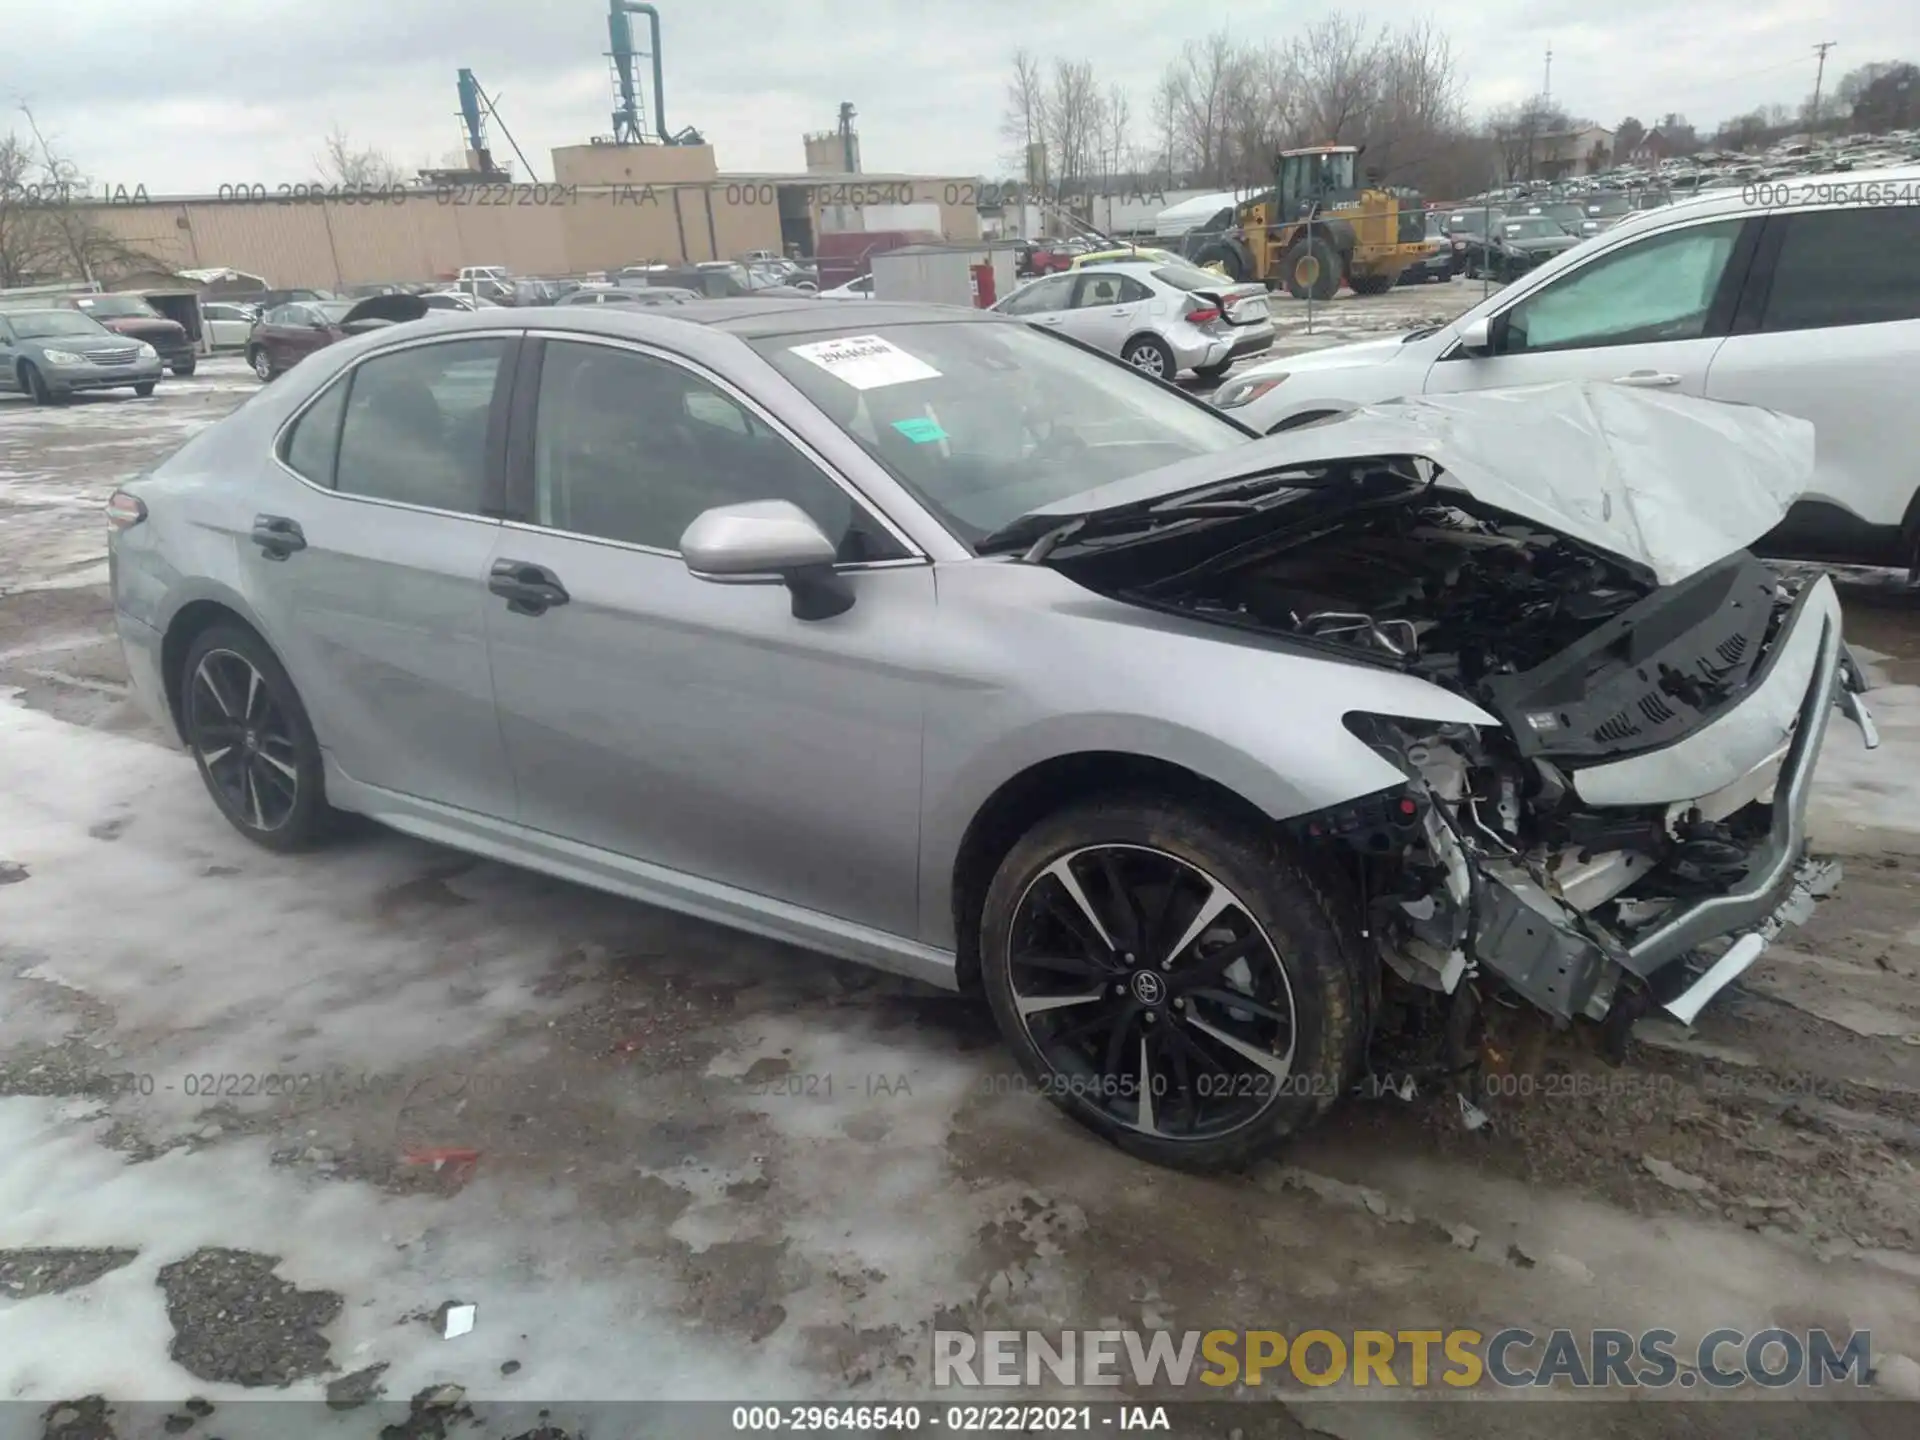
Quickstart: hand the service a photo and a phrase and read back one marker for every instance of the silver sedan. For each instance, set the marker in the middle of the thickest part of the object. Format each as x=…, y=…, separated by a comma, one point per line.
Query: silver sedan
x=919, y=637
x=1166, y=319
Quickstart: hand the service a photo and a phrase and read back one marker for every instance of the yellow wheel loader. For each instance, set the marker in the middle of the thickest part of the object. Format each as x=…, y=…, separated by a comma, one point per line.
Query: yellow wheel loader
x=1320, y=227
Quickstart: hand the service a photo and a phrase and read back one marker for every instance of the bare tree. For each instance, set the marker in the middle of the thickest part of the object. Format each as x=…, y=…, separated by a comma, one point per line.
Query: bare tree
x=342, y=164
x=1023, y=124
x=1203, y=83
x=1518, y=130
x=1116, y=133
x=1072, y=123
x=48, y=229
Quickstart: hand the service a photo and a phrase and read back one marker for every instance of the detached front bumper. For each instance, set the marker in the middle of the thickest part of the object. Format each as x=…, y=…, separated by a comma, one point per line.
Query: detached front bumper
x=1551, y=954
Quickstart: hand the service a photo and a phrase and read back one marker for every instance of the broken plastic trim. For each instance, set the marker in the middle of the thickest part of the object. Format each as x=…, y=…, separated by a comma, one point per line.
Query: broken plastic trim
x=1768, y=879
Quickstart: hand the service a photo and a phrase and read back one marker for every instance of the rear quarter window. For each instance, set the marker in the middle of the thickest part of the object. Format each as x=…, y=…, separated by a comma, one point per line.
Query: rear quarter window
x=1846, y=267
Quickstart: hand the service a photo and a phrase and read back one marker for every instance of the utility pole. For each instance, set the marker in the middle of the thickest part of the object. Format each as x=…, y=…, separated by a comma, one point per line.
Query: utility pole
x=1813, y=117
x=1546, y=90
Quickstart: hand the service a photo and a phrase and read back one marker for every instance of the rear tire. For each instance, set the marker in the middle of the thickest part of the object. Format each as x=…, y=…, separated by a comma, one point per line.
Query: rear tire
x=184, y=368
x=1150, y=356
x=1312, y=269
x=1209, y=923
x=249, y=734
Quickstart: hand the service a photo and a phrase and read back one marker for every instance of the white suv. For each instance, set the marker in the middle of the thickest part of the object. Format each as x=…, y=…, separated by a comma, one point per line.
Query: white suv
x=1801, y=295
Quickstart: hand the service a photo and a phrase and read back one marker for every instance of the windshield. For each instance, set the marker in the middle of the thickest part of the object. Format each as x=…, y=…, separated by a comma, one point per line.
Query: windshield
x=984, y=422
x=1537, y=228
x=117, y=307
x=39, y=324
x=1604, y=209
x=332, y=311
x=1470, y=220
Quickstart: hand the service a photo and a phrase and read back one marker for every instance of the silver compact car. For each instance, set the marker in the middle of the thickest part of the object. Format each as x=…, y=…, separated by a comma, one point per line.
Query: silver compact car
x=1163, y=319
x=54, y=354
x=925, y=639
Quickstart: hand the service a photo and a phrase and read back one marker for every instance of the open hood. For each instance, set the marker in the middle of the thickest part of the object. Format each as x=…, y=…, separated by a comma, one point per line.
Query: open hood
x=385, y=309
x=1668, y=483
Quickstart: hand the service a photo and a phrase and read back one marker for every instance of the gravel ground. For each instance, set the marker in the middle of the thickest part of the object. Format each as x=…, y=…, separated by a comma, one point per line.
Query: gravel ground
x=667, y=1160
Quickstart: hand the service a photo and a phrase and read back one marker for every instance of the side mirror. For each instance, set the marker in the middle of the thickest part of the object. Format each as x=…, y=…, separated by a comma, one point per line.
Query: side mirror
x=1476, y=336
x=768, y=542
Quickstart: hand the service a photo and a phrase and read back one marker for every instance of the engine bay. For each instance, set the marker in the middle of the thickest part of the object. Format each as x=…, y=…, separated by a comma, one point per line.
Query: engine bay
x=1487, y=865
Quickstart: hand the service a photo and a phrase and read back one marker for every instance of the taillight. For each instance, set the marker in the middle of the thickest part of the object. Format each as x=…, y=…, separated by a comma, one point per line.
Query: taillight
x=1204, y=314
x=125, y=511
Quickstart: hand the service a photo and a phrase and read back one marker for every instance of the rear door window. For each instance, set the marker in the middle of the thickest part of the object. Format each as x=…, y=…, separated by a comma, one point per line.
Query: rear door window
x=1846, y=267
x=313, y=443
x=415, y=430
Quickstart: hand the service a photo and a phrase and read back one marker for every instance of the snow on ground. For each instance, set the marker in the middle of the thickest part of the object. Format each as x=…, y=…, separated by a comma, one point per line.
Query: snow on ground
x=706, y=1164
x=59, y=463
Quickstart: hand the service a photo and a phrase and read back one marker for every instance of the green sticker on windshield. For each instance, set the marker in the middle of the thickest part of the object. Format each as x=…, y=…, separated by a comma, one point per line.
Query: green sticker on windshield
x=920, y=431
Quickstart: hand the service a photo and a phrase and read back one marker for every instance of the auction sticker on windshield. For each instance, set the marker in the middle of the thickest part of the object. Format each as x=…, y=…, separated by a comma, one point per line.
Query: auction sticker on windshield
x=866, y=362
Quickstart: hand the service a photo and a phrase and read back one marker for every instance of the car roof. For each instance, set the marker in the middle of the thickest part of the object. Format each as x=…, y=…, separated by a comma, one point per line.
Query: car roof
x=747, y=317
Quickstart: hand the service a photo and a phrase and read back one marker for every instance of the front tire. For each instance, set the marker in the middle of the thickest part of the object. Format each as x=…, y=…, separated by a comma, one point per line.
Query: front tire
x=1173, y=979
x=184, y=368
x=1150, y=356
x=1312, y=268
x=261, y=366
x=35, y=384
x=144, y=389
x=249, y=734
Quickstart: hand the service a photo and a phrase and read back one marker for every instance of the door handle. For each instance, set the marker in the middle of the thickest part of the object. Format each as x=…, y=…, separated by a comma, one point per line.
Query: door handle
x=278, y=536
x=1123, y=311
x=528, y=589
x=1647, y=379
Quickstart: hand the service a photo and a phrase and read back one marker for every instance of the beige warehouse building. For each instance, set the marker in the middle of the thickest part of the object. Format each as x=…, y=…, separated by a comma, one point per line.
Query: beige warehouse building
x=609, y=205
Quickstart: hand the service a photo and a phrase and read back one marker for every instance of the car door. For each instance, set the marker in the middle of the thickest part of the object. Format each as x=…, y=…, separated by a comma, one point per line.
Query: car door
x=696, y=726
x=1650, y=313
x=9, y=357
x=1042, y=302
x=1107, y=308
x=368, y=559
x=1830, y=331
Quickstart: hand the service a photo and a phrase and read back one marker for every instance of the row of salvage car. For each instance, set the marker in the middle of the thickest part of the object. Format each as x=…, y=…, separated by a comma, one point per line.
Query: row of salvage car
x=1218, y=761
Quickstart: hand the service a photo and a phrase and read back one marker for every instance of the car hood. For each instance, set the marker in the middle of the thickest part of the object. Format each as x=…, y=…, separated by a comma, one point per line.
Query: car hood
x=1664, y=482
x=390, y=309
x=1545, y=243
x=1335, y=357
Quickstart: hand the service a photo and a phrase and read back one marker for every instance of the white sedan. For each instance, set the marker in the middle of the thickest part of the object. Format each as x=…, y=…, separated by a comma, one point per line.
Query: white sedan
x=228, y=326
x=856, y=289
x=1160, y=319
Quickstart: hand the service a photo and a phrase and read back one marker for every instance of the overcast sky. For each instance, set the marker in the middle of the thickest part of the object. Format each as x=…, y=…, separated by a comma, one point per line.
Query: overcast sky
x=185, y=95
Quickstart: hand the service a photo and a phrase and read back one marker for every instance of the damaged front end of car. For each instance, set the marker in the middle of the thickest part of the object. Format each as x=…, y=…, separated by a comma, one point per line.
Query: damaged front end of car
x=1625, y=827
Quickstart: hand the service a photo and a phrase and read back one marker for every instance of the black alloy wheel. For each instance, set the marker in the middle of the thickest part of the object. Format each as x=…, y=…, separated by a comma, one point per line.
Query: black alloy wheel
x=242, y=741
x=249, y=734
x=1171, y=979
